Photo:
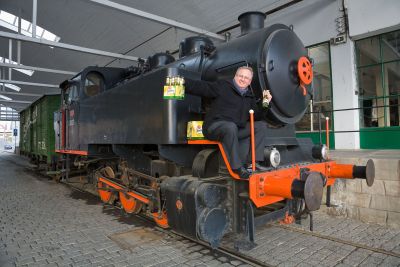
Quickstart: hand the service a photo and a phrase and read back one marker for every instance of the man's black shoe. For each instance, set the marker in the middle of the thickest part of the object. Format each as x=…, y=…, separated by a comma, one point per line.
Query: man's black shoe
x=242, y=172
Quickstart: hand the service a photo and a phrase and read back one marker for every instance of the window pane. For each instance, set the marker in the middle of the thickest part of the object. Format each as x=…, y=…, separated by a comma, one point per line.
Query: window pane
x=368, y=51
x=391, y=46
x=370, y=114
x=72, y=94
x=321, y=71
x=322, y=90
x=392, y=71
x=25, y=25
x=394, y=110
x=370, y=81
x=39, y=32
x=322, y=110
x=48, y=36
x=7, y=17
x=392, y=78
x=93, y=84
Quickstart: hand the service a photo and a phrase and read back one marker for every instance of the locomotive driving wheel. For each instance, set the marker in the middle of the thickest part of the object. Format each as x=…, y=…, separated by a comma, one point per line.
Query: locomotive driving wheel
x=104, y=192
x=130, y=204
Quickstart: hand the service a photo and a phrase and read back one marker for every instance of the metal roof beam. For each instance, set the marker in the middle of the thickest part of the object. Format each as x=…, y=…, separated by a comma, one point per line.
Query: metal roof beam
x=19, y=66
x=15, y=101
x=19, y=94
x=28, y=83
x=159, y=19
x=65, y=46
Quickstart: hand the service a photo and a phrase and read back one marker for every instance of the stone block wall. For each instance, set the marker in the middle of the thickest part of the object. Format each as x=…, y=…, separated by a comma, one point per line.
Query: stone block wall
x=379, y=203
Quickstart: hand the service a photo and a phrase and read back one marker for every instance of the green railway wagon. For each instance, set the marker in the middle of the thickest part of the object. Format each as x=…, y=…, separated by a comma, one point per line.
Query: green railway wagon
x=25, y=142
x=37, y=138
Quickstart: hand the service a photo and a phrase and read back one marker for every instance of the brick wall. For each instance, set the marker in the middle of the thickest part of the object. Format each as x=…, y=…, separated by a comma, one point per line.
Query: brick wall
x=378, y=204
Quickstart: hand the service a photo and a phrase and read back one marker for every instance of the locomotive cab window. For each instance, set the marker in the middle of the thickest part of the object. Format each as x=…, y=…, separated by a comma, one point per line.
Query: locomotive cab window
x=94, y=84
x=71, y=94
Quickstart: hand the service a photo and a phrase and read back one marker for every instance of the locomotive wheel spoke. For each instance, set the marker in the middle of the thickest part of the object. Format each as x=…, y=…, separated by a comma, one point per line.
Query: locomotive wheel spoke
x=130, y=204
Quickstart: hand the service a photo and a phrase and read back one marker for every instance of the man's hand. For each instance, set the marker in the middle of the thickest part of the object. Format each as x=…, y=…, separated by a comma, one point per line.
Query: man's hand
x=267, y=95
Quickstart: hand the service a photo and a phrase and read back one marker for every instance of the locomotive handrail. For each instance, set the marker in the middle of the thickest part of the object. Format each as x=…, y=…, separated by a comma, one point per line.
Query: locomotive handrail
x=221, y=148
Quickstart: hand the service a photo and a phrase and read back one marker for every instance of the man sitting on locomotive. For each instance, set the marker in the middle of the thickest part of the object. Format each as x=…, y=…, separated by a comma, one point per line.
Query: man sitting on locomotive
x=227, y=121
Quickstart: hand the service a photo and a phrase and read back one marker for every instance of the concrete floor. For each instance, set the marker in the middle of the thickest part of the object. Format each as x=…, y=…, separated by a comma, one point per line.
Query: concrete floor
x=44, y=223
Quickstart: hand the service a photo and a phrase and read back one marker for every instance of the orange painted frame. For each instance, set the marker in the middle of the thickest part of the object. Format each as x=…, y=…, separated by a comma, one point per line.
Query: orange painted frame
x=263, y=185
x=221, y=148
x=162, y=222
x=129, y=193
x=74, y=152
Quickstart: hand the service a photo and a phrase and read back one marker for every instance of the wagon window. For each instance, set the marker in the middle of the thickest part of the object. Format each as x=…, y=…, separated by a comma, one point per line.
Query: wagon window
x=94, y=84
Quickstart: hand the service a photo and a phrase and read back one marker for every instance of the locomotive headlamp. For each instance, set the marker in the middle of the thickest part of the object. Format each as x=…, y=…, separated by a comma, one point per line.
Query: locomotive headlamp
x=320, y=152
x=273, y=157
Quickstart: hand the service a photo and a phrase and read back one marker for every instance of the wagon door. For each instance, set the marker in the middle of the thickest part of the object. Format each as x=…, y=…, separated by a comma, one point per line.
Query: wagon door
x=69, y=117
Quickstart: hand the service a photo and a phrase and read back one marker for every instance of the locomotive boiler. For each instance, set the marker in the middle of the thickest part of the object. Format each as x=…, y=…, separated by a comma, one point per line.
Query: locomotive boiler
x=115, y=127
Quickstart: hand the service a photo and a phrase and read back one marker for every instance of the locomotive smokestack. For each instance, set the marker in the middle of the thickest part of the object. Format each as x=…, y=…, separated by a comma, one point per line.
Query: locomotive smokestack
x=251, y=21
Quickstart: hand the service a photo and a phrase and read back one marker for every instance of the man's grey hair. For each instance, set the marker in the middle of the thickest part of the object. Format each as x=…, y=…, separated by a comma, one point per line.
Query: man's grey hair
x=245, y=68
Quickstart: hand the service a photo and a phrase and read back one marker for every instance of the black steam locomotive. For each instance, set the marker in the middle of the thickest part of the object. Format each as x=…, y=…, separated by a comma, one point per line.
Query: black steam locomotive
x=115, y=126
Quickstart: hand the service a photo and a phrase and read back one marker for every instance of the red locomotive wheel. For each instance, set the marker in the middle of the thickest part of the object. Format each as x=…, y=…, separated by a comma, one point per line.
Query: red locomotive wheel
x=104, y=194
x=304, y=70
x=130, y=204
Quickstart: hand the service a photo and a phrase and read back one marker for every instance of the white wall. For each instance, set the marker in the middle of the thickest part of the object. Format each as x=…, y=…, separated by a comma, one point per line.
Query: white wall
x=313, y=20
x=372, y=17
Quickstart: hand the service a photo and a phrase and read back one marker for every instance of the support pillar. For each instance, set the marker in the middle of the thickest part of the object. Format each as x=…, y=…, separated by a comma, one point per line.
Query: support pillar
x=345, y=95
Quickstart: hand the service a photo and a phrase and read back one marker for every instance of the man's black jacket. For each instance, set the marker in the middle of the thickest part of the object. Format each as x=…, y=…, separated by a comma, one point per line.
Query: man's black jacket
x=227, y=105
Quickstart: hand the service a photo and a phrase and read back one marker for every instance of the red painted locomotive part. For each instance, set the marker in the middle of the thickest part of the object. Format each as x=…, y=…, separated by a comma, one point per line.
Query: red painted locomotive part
x=327, y=131
x=104, y=194
x=289, y=219
x=63, y=129
x=269, y=187
x=129, y=193
x=130, y=204
x=304, y=70
x=221, y=148
x=305, y=73
x=162, y=220
x=74, y=152
x=274, y=186
x=253, y=149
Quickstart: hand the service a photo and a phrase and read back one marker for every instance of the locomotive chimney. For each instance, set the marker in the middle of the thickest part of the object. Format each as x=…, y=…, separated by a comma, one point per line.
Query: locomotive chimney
x=251, y=21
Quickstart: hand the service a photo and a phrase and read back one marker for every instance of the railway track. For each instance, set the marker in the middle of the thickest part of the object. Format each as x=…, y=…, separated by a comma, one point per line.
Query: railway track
x=227, y=252
x=338, y=240
x=232, y=253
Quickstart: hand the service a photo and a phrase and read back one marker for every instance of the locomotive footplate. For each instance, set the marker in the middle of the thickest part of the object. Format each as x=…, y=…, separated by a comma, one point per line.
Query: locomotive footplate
x=196, y=208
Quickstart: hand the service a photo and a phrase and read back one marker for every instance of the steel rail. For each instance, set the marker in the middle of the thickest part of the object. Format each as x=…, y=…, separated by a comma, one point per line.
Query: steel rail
x=338, y=240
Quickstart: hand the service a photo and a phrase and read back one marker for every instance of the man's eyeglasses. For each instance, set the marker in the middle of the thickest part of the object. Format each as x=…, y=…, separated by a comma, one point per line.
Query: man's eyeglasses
x=243, y=77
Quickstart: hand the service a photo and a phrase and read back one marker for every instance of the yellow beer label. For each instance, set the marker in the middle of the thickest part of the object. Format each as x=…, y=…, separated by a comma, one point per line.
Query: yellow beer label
x=174, y=92
x=195, y=130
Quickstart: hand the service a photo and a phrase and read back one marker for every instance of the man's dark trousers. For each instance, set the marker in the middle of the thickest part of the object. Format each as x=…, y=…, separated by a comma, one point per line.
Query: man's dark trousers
x=236, y=141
